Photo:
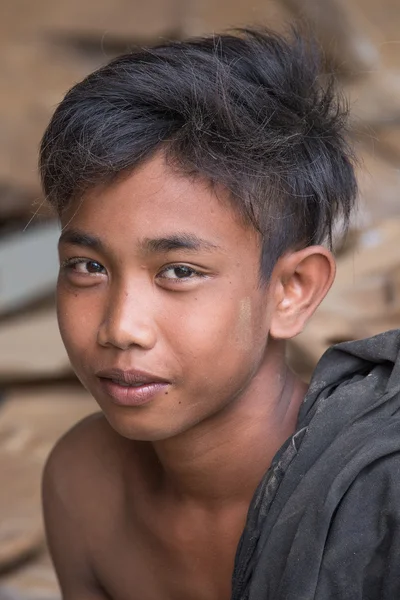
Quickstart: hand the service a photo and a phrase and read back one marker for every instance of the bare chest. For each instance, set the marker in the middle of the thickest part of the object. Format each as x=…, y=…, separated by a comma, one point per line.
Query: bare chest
x=175, y=560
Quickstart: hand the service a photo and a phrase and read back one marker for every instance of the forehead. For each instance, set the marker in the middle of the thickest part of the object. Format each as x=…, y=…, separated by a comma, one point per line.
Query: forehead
x=156, y=201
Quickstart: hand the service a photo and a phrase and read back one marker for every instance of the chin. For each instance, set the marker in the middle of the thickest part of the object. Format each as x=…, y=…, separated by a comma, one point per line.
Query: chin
x=137, y=428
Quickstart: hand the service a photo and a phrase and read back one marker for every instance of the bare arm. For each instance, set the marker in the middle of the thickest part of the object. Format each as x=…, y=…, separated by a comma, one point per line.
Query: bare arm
x=66, y=530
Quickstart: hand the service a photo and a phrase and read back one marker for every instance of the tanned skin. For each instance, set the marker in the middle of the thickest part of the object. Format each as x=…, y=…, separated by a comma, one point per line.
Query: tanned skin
x=148, y=502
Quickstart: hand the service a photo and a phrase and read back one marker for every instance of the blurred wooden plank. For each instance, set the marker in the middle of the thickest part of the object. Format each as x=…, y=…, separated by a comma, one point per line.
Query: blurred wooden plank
x=26, y=104
x=21, y=530
x=379, y=181
x=31, y=348
x=34, y=581
x=205, y=16
x=343, y=32
x=32, y=419
x=30, y=423
x=124, y=17
x=364, y=300
x=383, y=16
x=28, y=266
x=18, y=203
x=377, y=252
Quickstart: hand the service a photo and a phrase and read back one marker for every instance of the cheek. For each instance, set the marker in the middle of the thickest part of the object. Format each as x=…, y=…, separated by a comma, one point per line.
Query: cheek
x=244, y=329
x=77, y=323
x=220, y=336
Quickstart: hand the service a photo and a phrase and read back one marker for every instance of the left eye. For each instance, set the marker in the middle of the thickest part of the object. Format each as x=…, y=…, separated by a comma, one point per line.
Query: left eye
x=179, y=272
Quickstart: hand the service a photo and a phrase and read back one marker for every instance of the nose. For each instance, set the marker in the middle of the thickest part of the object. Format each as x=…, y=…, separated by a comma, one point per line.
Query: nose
x=127, y=322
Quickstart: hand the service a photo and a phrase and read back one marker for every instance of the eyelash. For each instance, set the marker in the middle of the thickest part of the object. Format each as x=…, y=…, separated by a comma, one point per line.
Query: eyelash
x=71, y=262
x=181, y=279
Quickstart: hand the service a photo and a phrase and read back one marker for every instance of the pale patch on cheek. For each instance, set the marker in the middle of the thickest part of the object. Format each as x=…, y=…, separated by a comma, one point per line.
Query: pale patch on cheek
x=244, y=331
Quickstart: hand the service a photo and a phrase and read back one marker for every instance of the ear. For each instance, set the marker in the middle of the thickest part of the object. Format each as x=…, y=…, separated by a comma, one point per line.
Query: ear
x=300, y=282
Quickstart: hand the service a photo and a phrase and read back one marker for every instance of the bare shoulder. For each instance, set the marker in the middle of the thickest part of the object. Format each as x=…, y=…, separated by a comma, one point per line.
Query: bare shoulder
x=84, y=438
x=79, y=471
x=79, y=462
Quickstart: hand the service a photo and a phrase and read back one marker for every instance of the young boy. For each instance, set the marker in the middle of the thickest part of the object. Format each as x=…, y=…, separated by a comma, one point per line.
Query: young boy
x=197, y=185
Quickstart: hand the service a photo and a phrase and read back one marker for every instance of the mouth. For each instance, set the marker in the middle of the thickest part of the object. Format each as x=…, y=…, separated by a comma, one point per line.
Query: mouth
x=131, y=388
x=127, y=385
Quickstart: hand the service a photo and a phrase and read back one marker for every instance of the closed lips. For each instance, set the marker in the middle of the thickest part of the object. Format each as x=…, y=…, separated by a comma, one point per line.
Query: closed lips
x=133, y=378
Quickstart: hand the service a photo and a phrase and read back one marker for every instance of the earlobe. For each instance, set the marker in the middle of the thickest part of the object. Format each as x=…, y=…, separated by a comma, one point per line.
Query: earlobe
x=302, y=280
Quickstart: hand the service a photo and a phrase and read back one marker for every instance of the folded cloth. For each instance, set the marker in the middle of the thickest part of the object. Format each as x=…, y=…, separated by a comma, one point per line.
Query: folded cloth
x=324, y=523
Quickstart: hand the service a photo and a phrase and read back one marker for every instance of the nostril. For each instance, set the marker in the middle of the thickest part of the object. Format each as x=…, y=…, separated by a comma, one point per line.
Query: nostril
x=125, y=334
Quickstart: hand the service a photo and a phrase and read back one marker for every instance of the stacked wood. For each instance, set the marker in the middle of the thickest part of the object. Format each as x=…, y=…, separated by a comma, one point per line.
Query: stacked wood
x=31, y=420
x=364, y=299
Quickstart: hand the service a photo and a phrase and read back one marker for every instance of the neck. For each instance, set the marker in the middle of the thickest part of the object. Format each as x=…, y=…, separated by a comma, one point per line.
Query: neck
x=223, y=459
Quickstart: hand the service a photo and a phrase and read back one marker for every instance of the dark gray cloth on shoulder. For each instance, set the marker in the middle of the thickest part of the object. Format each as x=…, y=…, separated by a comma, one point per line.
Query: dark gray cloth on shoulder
x=324, y=523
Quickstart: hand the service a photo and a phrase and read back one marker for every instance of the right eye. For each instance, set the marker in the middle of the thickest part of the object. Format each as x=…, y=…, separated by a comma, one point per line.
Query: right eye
x=83, y=266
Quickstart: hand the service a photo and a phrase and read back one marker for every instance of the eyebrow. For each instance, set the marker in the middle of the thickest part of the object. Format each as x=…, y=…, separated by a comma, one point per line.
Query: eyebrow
x=160, y=245
x=179, y=241
x=78, y=238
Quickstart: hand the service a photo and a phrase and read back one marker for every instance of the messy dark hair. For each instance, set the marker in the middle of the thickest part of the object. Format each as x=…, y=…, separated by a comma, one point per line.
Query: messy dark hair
x=247, y=111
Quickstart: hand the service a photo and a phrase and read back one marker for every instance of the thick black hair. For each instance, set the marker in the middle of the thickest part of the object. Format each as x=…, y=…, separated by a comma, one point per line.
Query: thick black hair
x=248, y=111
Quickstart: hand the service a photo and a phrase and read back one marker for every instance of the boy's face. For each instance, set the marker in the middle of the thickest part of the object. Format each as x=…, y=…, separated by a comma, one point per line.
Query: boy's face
x=160, y=280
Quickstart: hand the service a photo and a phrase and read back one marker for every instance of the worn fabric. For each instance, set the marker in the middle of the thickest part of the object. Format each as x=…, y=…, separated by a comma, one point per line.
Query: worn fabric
x=324, y=523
